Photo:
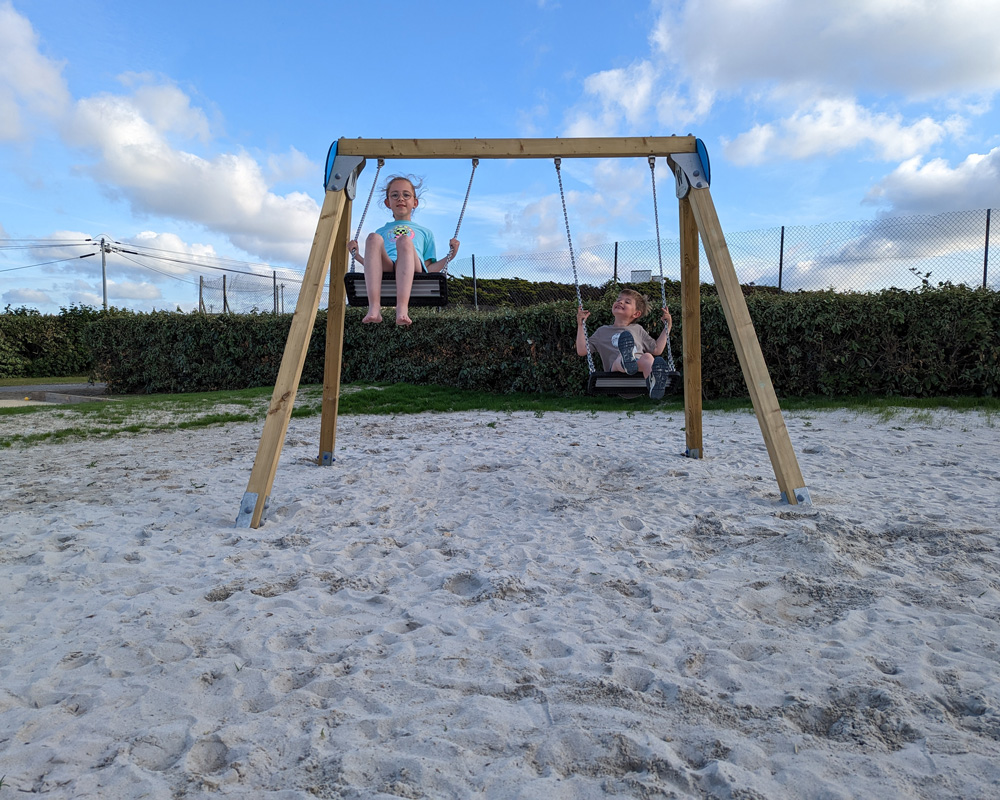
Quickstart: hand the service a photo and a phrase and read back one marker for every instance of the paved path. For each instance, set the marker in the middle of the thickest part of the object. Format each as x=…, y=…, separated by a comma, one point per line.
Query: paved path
x=33, y=394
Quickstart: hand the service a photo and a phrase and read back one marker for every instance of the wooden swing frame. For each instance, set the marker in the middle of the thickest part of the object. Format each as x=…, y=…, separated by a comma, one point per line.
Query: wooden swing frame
x=689, y=160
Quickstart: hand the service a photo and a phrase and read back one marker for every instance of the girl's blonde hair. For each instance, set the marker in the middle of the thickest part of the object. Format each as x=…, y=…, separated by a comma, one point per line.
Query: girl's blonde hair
x=415, y=183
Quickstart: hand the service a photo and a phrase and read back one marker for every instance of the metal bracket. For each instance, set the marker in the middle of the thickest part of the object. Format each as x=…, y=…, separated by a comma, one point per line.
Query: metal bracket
x=326, y=458
x=692, y=452
x=691, y=170
x=245, y=517
x=342, y=172
x=801, y=495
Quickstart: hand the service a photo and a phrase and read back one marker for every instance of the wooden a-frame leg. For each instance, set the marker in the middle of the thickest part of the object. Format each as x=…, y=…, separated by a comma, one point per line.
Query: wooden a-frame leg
x=287, y=383
x=691, y=330
x=758, y=379
x=334, y=354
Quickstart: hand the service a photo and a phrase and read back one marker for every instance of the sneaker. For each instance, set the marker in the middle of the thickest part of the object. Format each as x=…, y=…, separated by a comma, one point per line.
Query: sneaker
x=659, y=378
x=626, y=346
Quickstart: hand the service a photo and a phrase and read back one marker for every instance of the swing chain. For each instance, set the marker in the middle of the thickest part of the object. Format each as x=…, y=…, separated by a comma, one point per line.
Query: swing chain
x=572, y=261
x=659, y=253
x=371, y=194
x=465, y=202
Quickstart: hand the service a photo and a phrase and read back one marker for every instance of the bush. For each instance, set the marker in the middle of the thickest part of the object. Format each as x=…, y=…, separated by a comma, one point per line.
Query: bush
x=33, y=345
x=926, y=342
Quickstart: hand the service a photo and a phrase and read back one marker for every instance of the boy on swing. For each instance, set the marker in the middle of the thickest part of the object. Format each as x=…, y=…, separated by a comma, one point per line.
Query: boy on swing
x=625, y=346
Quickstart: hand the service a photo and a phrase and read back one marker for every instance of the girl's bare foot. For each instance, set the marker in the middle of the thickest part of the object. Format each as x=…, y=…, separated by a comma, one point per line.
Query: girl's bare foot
x=372, y=316
x=403, y=319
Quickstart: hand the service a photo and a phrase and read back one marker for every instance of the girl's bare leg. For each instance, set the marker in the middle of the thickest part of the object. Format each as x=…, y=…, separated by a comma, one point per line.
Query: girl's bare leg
x=407, y=263
x=376, y=262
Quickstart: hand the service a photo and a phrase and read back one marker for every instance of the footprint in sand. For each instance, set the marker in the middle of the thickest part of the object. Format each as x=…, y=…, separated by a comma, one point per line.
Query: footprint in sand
x=631, y=523
x=207, y=756
x=161, y=746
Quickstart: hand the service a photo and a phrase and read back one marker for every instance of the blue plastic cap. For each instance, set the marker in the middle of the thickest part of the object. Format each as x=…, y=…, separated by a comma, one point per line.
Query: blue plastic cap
x=703, y=155
x=330, y=158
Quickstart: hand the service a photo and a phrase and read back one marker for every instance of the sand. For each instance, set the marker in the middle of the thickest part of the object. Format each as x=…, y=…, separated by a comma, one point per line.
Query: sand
x=506, y=606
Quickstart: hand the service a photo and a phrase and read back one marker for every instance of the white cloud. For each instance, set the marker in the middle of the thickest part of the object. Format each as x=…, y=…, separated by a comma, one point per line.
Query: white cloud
x=830, y=125
x=538, y=226
x=133, y=290
x=607, y=195
x=62, y=251
x=677, y=110
x=626, y=91
x=291, y=166
x=172, y=245
x=227, y=193
x=166, y=107
x=635, y=98
x=30, y=83
x=18, y=297
x=918, y=47
x=84, y=298
x=808, y=61
x=915, y=187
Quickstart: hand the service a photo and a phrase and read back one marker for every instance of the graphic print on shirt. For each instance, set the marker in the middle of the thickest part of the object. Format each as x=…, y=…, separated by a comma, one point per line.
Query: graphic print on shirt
x=402, y=230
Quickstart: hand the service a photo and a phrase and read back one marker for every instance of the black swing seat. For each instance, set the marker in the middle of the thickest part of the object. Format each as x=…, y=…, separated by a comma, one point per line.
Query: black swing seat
x=429, y=289
x=621, y=384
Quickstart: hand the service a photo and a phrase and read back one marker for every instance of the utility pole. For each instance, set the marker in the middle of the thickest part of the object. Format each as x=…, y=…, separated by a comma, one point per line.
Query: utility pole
x=104, y=271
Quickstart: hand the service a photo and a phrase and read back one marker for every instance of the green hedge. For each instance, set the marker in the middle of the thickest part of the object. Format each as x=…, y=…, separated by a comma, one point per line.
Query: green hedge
x=33, y=345
x=166, y=352
x=928, y=342
x=516, y=292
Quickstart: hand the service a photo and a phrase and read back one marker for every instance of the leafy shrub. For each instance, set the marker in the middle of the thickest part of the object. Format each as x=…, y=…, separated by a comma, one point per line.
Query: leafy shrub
x=33, y=345
x=926, y=342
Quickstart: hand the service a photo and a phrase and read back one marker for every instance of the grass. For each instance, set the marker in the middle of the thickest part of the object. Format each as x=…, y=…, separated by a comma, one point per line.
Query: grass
x=103, y=419
x=140, y=414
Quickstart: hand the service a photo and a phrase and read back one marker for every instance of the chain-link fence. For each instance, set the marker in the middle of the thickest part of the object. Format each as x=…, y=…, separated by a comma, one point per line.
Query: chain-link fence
x=242, y=293
x=866, y=256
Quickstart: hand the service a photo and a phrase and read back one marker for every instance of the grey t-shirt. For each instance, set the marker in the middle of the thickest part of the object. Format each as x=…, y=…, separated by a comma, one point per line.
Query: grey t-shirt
x=602, y=342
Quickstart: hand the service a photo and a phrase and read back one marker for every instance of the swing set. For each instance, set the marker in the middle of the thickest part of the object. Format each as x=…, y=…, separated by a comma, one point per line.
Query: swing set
x=688, y=159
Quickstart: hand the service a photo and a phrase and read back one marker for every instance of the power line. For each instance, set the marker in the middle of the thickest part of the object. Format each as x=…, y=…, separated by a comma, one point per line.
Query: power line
x=219, y=259
x=46, y=263
x=125, y=254
x=194, y=263
x=46, y=245
x=199, y=262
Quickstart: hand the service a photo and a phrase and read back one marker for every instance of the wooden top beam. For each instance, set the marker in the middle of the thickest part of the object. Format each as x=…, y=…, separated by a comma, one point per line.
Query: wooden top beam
x=611, y=147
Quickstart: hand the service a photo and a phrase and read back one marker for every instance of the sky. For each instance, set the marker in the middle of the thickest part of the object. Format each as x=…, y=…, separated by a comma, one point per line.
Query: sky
x=194, y=135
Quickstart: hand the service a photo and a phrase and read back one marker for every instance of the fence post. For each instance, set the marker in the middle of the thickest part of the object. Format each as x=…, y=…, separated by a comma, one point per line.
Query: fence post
x=275, y=274
x=781, y=257
x=986, y=249
x=616, y=264
x=475, y=287
x=225, y=301
x=201, y=293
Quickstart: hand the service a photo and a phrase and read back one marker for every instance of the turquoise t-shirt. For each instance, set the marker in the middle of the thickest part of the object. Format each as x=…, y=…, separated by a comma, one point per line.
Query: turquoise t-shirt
x=423, y=239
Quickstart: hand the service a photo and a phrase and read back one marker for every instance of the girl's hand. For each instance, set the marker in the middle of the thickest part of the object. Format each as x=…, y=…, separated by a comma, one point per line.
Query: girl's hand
x=453, y=244
x=581, y=315
x=352, y=247
x=666, y=318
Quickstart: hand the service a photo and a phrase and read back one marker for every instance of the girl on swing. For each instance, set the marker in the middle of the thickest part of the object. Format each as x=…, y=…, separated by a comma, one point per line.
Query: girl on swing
x=400, y=247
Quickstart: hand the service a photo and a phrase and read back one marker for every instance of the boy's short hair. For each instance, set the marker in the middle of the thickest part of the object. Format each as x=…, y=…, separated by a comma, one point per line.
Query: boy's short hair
x=641, y=302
